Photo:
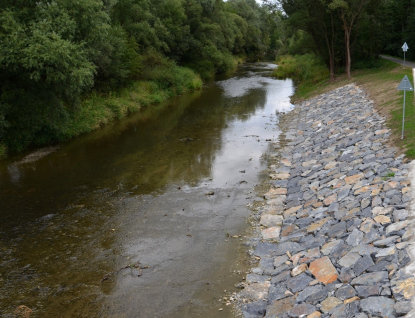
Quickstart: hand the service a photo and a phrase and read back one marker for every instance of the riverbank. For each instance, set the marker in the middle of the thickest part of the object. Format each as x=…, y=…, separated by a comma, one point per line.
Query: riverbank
x=98, y=109
x=380, y=83
x=335, y=226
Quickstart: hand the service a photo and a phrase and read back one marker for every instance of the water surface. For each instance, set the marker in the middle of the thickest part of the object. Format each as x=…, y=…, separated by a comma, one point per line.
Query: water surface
x=145, y=217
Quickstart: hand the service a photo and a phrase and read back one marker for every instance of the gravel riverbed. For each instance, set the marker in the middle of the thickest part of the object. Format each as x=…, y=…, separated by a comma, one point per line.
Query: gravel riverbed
x=334, y=234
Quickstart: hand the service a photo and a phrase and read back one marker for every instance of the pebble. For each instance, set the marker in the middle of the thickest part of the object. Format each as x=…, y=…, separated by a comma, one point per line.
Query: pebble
x=334, y=229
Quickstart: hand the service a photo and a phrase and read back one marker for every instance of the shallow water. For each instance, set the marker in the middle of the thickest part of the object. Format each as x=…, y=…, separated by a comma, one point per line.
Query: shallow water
x=137, y=219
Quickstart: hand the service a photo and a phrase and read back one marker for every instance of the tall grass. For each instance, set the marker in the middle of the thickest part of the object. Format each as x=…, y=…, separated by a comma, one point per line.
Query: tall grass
x=307, y=69
x=99, y=109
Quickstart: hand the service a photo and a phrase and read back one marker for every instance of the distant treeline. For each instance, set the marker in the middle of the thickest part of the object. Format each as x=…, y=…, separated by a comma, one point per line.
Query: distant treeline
x=55, y=54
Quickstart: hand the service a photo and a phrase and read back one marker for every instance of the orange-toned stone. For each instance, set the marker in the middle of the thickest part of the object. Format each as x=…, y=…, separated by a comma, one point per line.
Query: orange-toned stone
x=380, y=132
x=317, y=204
x=294, y=258
x=281, y=176
x=330, y=165
x=350, y=214
x=367, y=225
x=317, y=225
x=382, y=219
x=354, y=179
x=363, y=190
x=323, y=270
x=329, y=200
x=315, y=314
x=271, y=233
x=405, y=288
x=279, y=191
x=350, y=300
x=375, y=192
x=310, y=202
x=378, y=210
x=288, y=229
x=339, y=184
x=286, y=162
x=273, y=193
x=292, y=210
x=391, y=185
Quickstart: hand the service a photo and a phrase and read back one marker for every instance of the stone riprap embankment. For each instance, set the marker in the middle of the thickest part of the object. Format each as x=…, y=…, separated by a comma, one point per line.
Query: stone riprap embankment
x=334, y=229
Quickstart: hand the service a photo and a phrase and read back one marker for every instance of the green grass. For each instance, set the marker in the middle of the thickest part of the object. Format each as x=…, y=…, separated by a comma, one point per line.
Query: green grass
x=159, y=83
x=388, y=175
x=100, y=109
x=381, y=85
x=307, y=70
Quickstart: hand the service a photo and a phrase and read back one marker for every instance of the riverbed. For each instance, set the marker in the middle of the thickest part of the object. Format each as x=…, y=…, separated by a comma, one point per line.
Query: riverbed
x=146, y=217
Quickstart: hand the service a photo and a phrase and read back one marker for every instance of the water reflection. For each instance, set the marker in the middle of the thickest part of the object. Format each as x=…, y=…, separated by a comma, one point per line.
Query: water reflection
x=14, y=174
x=112, y=198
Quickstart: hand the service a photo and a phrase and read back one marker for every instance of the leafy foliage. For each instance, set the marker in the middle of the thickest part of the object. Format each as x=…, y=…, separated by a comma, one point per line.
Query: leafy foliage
x=307, y=68
x=342, y=32
x=54, y=54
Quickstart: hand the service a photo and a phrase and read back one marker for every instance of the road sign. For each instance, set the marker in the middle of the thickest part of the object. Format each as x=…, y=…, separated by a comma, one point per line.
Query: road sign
x=404, y=48
x=404, y=85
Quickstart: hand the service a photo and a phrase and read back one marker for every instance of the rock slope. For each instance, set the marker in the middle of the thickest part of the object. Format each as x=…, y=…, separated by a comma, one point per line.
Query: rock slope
x=335, y=225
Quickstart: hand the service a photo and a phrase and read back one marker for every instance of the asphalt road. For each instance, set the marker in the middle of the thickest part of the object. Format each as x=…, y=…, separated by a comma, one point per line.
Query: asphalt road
x=397, y=60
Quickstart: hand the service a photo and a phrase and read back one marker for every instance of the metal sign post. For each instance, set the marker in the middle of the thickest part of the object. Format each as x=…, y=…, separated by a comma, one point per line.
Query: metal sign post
x=404, y=48
x=404, y=86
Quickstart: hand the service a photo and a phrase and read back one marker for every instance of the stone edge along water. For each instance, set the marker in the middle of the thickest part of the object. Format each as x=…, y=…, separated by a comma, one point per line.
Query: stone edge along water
x=335, y=230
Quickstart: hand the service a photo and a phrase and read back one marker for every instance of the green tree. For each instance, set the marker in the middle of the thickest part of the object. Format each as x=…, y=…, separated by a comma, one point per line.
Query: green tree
x=314, y=18
x=46, y=61
x=350, y=11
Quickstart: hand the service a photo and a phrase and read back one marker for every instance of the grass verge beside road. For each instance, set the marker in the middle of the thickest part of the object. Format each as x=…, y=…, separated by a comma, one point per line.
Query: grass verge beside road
x=381, y=86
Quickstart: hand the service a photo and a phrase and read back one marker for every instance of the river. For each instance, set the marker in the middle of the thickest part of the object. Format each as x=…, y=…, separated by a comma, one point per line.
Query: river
x=146, y=217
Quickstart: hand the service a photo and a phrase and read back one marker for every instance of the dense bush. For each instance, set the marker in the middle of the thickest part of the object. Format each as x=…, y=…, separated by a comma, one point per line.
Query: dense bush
x=54, y=55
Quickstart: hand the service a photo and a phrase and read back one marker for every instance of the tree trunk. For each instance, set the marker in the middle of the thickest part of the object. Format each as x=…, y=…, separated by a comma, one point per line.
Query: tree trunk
x=331, y=58
x=348, y=58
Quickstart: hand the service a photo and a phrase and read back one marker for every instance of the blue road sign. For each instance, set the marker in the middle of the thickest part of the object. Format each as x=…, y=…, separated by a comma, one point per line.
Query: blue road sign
x=405, y=85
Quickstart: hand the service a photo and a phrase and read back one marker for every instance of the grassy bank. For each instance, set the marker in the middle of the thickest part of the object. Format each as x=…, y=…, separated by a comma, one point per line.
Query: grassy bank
x=308, y=69
x=98, y=110
x=161, y=79
x=159, y=83
x=381, y=86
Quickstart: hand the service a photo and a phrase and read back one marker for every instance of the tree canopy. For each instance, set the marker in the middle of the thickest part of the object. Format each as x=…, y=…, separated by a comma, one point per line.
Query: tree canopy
x=347, y=33
x=55, y=52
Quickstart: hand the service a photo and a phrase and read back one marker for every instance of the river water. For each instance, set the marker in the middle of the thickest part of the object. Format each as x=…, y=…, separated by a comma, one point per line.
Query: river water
x=145, y=217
